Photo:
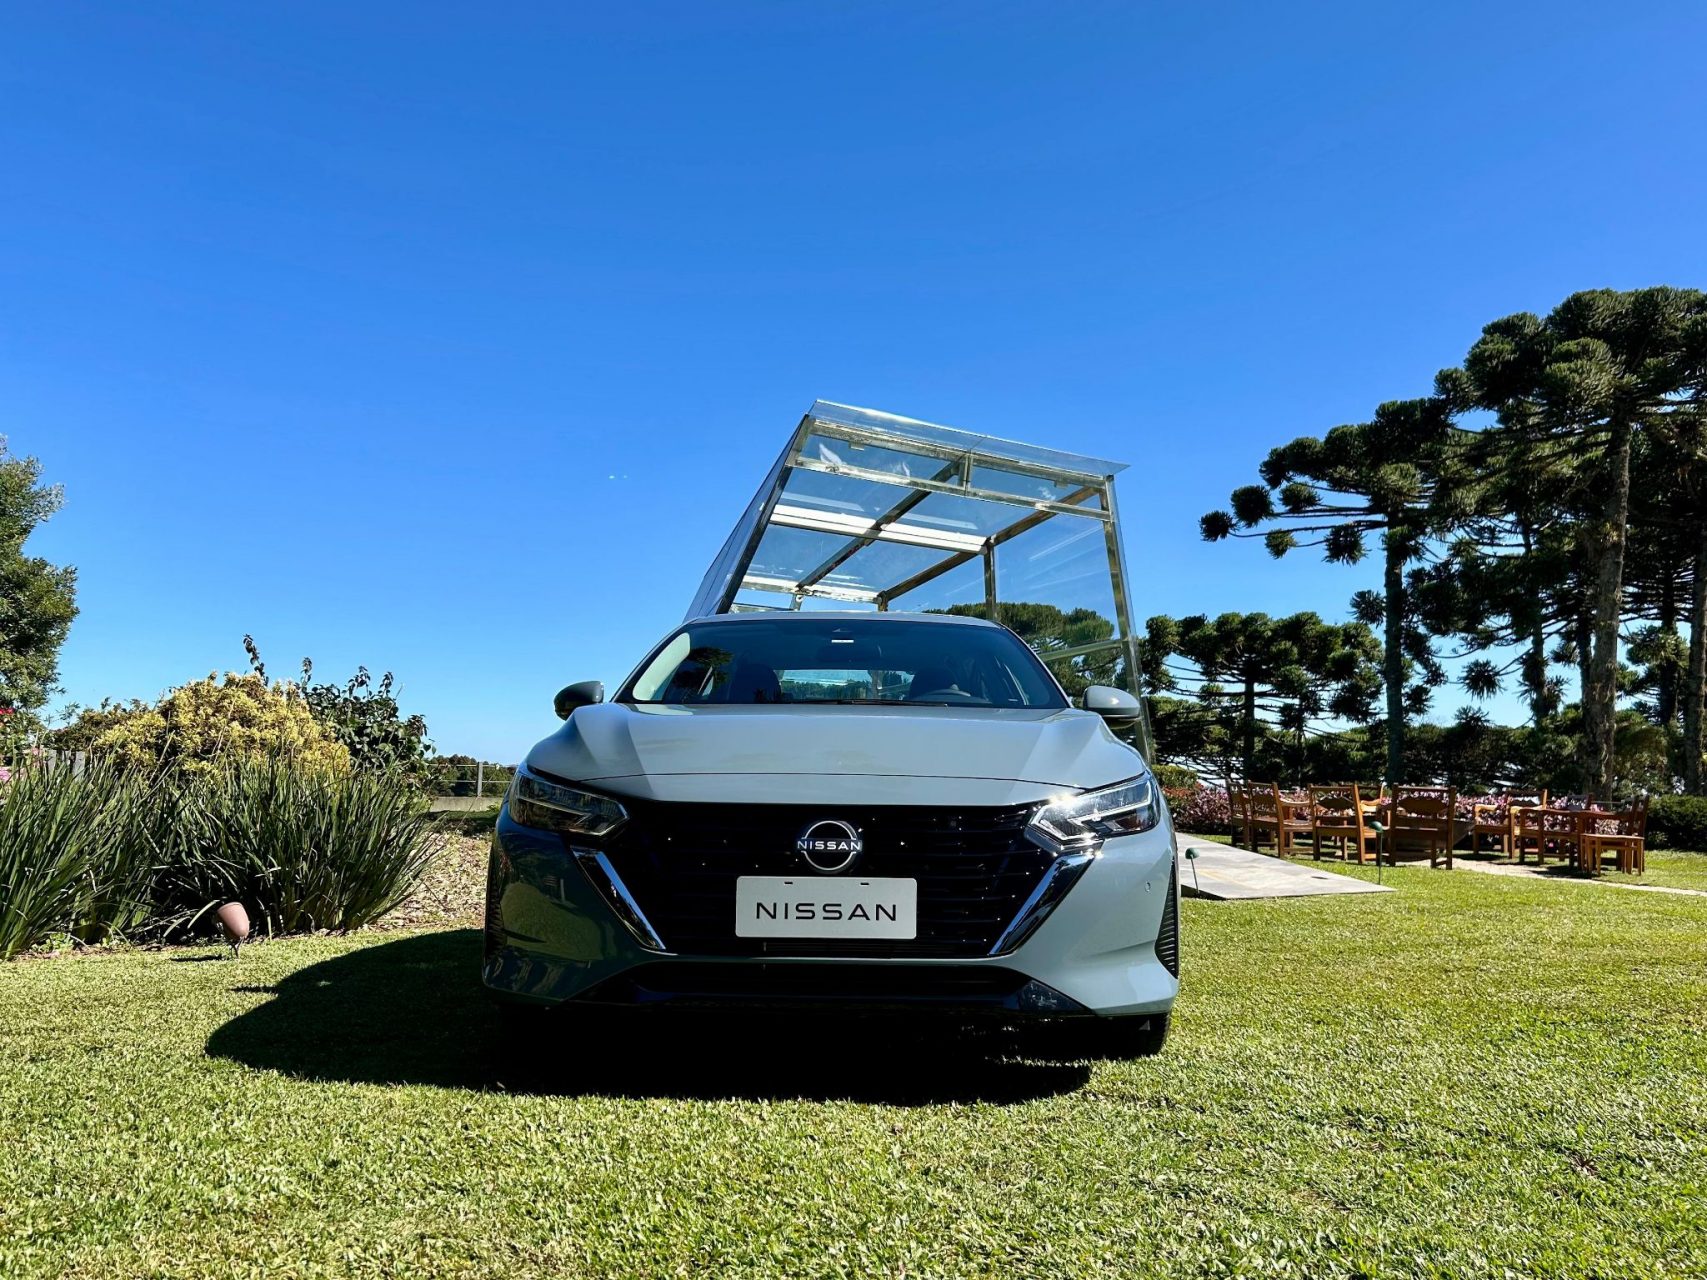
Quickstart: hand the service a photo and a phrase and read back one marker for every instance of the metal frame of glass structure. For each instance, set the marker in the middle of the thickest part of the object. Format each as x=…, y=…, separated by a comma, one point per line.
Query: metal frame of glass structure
x=864, y=508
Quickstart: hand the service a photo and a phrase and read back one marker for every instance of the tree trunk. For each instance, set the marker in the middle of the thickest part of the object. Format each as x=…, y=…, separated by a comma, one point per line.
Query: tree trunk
x=1250, y=726
x=1535, y=670
x=1393, y=656
x=1695, y=676
x=1600, y=697
x=1537, y=675
x=1665, y=690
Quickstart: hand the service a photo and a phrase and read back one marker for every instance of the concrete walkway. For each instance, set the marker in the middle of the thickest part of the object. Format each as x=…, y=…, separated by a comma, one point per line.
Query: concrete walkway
x=1223, y=873
x=1536, y=873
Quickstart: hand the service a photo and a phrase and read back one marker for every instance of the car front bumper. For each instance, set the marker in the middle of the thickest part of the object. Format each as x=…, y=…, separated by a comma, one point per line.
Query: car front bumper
x=554, y=934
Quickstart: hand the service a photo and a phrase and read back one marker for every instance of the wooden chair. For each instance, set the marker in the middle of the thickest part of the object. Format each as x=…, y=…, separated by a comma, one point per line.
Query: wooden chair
x=1626, y=842
x=1271, y=821
x=1339, y=815
x=1499, y=821
x=1296, y=813
x=1547, y=832
x=1239, y=805
x=1422, y=820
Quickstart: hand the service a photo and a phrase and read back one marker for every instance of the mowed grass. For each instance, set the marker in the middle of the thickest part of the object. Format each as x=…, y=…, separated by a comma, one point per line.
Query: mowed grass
x=1671, y=868
x=1471, y=1076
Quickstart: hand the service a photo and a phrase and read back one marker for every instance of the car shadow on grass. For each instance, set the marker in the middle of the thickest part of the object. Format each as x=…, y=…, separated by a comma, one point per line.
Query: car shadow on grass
x=413, y=1012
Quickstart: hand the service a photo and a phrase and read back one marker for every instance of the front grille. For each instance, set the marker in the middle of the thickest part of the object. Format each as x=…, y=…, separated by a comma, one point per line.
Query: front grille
x=685, y=981
x=975, y=869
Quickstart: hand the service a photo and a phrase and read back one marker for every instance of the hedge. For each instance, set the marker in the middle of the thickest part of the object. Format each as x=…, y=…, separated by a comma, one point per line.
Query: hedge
x=1678, y=822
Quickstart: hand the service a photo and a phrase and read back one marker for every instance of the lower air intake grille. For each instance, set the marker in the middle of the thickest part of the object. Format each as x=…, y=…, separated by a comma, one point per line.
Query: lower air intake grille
x=1167, y=939
x=975, y=869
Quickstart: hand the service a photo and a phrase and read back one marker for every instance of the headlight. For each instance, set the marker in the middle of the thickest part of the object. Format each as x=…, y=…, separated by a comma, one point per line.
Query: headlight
x=551, y=806
x=1083, y=822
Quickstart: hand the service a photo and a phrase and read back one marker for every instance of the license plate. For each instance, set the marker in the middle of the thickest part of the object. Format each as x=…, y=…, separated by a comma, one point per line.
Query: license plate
x=825, y=907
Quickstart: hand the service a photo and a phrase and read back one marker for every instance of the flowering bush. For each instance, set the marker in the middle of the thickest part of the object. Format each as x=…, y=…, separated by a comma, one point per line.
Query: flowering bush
x=1201, y=810
x=242, y=717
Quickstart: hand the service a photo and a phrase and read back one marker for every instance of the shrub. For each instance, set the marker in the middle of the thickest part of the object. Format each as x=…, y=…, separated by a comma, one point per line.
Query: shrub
x=81, y=727
x=363, y=715
x=207, y=721
x=1202, y=810
x=1174, y=777
x=1678, y=822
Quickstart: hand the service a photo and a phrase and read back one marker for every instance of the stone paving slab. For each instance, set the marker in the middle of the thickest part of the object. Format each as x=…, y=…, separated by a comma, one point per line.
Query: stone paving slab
x=1536, y=873
x=1225, y=873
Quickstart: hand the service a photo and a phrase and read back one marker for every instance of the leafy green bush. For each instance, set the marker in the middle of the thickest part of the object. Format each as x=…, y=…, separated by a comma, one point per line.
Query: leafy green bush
x=362, y=715
x=1678, y=822
x=1174, y=776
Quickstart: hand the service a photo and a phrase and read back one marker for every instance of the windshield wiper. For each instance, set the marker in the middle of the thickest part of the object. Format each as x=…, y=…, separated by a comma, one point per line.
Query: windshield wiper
x=847, y=702
x=881, y=702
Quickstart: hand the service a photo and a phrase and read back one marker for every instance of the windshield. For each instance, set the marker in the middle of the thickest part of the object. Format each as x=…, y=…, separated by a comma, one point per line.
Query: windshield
x=843, y=660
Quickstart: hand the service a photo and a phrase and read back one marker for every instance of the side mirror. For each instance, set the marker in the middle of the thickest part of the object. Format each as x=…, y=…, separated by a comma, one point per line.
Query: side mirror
x=1112, y=704
x=584, y=694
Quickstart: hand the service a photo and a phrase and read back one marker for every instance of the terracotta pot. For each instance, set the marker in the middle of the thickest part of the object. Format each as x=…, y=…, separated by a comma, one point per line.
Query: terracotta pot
x=235, y=921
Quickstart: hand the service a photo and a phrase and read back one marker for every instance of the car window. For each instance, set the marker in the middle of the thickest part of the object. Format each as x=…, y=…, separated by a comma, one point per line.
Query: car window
x=844, y=661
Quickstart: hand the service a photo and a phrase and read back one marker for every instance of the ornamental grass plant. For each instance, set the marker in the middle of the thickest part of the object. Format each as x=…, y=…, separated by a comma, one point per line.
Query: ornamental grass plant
x=76, y=853
x=302, y=847
x=113, y=851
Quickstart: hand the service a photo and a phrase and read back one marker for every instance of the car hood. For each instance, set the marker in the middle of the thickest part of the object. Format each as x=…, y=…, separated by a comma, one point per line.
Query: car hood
x=804, y=753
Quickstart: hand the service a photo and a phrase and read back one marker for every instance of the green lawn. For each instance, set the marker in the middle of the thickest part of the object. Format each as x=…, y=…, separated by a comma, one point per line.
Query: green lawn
x=1671, y=868
x=1472, y=1076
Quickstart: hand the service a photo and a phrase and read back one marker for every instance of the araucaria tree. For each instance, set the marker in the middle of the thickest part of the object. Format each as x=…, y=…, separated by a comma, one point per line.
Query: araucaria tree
x=1259, y=673
x=1582, y=390
x=38, y=600
x=1372, y=478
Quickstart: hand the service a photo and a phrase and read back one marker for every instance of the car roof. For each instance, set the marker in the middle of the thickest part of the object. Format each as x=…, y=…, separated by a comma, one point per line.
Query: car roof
x=821, y=615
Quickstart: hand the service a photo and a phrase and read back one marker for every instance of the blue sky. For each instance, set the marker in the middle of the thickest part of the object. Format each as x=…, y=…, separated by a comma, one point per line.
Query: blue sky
x=452, y=339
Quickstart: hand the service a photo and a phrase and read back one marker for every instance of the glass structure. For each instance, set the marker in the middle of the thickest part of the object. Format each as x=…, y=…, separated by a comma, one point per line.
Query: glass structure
x=867, y=510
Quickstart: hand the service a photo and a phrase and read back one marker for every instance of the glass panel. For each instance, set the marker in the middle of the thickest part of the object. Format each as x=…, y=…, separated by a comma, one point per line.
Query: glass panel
x=960, y=586
x=1025, y=486
x=843, y=495
x=1059, y=574
x=884, y=564
x=748, y=601
x=792, y=553
x=967, y=515
x=953, y=437
x=874, y=458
